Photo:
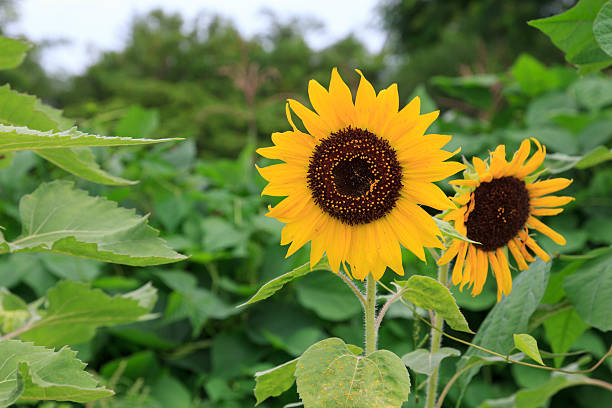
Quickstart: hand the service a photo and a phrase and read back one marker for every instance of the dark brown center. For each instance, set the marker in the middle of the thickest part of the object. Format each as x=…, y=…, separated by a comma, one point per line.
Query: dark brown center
x=355, y=176
x=501, y=209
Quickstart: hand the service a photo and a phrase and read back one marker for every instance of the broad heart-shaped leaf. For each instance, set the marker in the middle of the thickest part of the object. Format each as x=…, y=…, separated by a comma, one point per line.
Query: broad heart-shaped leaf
x=511, y=315
x=277, y=284
x=58, y=218
x=328, y=374
x=12, y=52
x=14, y=138
x=30, y=373
x=424, y=361
x=572, y=32
x=75, y=311
x=528, y=345
x=602, y=28
x=275, y=381
x=590, y=291
x=80, y=161
x=428, y=293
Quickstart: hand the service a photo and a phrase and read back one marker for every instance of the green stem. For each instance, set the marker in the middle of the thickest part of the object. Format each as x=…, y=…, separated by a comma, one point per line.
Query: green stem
x=370, y=316
x=436, y=339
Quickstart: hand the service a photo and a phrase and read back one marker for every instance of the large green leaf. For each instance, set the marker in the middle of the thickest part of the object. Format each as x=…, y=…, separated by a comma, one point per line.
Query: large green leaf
x=602, y=28
x=30, y=373
x=428, y=293
x=562, y=331
x=14, y=138
x=572, y=32
x=328, y=374
x=424, y=361
x=590, y=291
x=75, y=310
x=511, y=315
x=58, y=218
x=12, y=52
x=80, y=161
x=277, y=284
x=275, y=381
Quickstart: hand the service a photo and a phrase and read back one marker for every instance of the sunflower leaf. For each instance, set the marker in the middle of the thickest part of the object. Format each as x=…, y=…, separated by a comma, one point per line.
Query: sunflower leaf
x=276, y=284
x=602, y=28
x=528, y=345
x=12, y=52
x=424, y=362
x=275, y=381
x=29, y=372
x=329, y=374
x=511, y=315
x=562, y=331
x=572, y=32
x=59, y=218
x=428, y=293
x=590, y=291
x=14, y=138
x=75, y=311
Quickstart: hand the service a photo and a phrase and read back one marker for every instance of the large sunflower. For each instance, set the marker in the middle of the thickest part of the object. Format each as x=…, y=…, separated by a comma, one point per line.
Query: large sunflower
x=497, y=206
x=354, y=180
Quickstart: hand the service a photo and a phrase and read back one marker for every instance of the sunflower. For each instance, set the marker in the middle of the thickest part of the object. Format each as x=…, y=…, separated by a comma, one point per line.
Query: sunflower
x=354, y=180
x=497, y=205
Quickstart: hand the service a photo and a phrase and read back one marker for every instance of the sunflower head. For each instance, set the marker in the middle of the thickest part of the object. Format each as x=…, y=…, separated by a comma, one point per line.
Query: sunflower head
x=497, y=205
x=354, y=180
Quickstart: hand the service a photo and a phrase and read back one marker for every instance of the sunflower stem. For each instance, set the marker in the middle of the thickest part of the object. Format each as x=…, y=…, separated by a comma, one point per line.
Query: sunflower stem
x=370, y=316
x=436, y=339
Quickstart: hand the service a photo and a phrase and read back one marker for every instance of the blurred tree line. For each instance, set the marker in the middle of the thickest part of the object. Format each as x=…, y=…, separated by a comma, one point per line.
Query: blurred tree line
x=211, y=84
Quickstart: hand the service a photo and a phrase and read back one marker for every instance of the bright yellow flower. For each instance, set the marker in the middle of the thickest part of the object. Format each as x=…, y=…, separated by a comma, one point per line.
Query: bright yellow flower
x=497, y=209
x=354, y=180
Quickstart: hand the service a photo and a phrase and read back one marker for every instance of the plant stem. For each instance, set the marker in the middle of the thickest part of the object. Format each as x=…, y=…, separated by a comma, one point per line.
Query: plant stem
x=354, y=288
x=370, y=316
x=436, y=339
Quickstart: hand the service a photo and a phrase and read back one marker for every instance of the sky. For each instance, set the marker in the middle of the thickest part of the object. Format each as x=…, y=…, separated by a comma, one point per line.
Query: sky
x=93, y=26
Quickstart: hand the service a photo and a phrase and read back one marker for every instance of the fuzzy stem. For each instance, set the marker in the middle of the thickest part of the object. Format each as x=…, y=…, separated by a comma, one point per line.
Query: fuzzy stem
x=370, y=316
x=436, y=339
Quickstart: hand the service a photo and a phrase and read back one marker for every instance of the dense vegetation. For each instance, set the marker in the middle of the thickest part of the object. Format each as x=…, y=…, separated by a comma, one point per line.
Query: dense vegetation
x=496, y=80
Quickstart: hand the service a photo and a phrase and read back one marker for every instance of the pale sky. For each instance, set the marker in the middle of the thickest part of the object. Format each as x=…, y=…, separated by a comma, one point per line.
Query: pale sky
x=92, y=26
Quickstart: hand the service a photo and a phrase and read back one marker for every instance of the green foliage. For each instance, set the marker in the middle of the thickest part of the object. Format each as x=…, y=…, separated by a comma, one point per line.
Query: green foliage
x=275, y=381
x=528, y=345
x=602, y=28
x=430, y=294
x=58, y=218
x=423, y=361
x=573, y=33
x=31, y=373
x=328, y=373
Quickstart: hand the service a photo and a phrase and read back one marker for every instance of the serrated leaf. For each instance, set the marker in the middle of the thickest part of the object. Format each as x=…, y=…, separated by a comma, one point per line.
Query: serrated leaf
x=14, y=138
x=562, y=331
x=275, y=381
x=449, y=231
x=75, y=311
x=30, y=373
x=424, y=361
x=329, y=374
x=276, y=284
x=428, y=293
x=590, y=291
x=80, y=161
x=528, y=345
x=572, y=32
x=511, y=315
x=58, y=218
x=12, y=52
x=602, y=28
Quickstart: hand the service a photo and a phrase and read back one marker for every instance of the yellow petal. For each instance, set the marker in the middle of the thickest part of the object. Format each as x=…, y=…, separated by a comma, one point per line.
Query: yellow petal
x=320, y=100
x=365, y=102
x=533, y=163
x=450, y=253
x=428, y=194
x=520, y=156
x=550, y=201
x=544, y=187
x=407, y=234
x=342, y=100
x=387, y=105
x=506, y=282
x=404, y=121
x=534, y=223
x=545, y=211
x=457, y=269
x=520, y=260
x=461, y=182
x=312, y=122
x=536, y=249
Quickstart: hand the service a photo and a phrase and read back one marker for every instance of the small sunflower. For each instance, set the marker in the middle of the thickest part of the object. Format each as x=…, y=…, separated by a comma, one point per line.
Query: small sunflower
x=497, y=207
x=354, y=181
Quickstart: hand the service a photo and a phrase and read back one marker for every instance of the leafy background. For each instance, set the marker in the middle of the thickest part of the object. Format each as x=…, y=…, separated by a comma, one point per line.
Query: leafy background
x=496, y=80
